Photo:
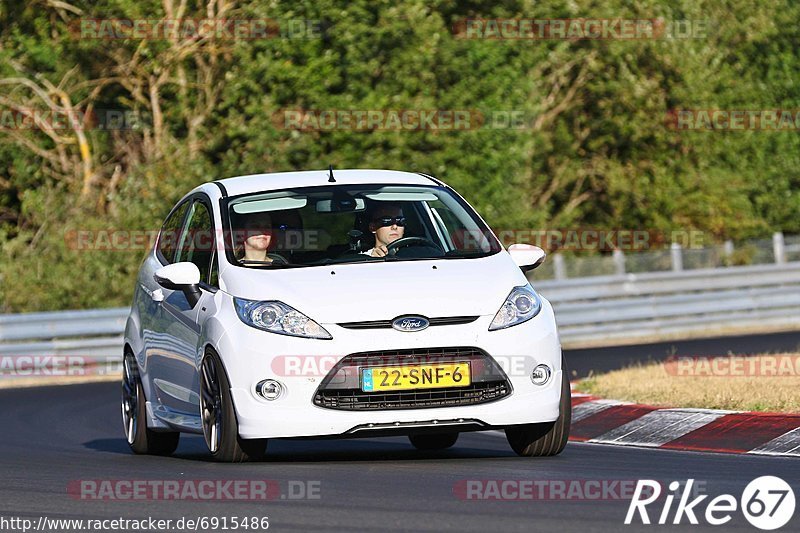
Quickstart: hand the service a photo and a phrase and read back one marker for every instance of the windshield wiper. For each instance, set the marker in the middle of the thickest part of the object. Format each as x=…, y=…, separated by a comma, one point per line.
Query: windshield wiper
x=356, y=259
x=456, y=254
x=274, y=264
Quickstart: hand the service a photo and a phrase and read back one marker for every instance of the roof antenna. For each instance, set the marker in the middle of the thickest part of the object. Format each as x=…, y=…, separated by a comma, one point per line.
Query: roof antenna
x=330, y=174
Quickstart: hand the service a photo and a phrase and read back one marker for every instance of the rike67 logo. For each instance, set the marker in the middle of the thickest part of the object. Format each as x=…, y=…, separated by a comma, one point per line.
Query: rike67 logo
x=767, y=503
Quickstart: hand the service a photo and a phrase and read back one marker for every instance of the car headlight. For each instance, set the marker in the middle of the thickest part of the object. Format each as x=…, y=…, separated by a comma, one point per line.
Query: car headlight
x=521, y=305
x=277, y=317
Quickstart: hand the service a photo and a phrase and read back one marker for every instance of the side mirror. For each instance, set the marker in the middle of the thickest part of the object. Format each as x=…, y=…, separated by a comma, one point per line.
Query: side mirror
x=183, y=277
x=527, y=256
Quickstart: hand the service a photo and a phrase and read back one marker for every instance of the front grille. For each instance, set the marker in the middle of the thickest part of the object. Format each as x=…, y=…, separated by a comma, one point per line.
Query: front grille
x=341, y=388
x=384, y=324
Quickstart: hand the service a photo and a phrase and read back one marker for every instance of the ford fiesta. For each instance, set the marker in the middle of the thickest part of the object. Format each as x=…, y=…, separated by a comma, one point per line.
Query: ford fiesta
x=351, y=303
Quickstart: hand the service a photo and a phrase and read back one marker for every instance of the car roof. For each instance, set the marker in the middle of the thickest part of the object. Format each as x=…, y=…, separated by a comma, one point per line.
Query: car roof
x=311, y=178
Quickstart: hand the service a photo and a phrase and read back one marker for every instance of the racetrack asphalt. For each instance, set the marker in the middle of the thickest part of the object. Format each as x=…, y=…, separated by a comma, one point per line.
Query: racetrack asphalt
x=53, y=437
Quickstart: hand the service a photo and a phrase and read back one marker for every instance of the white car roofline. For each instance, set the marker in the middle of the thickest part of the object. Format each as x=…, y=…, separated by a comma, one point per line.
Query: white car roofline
x=239, y=185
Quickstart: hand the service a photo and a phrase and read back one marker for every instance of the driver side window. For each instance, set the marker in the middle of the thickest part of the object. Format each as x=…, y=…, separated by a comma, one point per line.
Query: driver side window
x=170, y=231
x=196, y=244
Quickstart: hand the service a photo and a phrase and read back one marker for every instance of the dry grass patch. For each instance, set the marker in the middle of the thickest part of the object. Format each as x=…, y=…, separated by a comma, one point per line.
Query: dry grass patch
x=756, y=383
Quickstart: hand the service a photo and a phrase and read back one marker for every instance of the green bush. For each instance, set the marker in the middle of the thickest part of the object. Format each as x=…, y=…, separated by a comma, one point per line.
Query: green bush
x=596, y=152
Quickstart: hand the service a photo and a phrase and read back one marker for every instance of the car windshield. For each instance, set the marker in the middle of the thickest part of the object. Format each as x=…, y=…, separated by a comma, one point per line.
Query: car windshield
x=346, y=223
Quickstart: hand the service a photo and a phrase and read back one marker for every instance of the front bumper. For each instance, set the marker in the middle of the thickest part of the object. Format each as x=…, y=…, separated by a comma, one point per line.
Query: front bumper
x=250, y=356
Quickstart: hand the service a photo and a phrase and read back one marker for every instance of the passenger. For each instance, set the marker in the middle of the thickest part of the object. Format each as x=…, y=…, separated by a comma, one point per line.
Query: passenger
x=255, y=239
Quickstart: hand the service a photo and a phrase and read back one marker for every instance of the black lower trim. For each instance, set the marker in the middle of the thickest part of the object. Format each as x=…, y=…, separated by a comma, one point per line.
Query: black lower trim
x=356, y=400
x=341, y=388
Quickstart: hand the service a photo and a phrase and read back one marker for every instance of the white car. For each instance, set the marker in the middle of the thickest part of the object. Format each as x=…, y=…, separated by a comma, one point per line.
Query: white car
x=350, y=303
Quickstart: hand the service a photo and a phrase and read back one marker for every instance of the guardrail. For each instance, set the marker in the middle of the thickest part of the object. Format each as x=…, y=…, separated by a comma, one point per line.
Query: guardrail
x=608, y=310
x=594, y=311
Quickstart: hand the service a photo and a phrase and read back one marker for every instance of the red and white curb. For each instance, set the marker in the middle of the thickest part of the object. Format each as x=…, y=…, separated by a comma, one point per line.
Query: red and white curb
x=601, y=421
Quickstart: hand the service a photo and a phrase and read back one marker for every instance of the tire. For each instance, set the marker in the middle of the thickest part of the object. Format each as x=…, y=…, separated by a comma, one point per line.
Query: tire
x=433, y=441
x=141, y=439
x=218, y=417
x=549, y=438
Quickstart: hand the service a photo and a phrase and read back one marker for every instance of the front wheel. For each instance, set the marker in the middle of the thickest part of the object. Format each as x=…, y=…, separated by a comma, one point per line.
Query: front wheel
x=140, y=438
x=548, y=438
x=220, y=427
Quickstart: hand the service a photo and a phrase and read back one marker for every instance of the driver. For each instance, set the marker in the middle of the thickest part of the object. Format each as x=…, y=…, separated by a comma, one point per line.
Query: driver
x=387, y=224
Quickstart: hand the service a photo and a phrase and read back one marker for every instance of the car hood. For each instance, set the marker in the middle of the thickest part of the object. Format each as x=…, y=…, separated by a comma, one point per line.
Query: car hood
x=384, y=290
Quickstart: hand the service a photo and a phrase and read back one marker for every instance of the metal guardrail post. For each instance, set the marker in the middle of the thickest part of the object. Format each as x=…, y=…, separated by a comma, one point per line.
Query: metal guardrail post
x=559, y=268
x=727, y=248
x=676, y=255
x=779, y=247
x=619, y=262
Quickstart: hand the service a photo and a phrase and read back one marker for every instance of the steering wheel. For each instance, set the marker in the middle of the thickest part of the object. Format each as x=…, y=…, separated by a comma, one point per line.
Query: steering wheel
x=405, y=242
x=278, y=257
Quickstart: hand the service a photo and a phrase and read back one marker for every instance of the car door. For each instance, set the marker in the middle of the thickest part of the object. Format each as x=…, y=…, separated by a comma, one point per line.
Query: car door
x=150, y=296
x=174, y=360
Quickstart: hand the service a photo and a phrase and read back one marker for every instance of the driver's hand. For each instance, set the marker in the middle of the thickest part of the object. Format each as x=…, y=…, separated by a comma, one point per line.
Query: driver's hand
x=379, y=251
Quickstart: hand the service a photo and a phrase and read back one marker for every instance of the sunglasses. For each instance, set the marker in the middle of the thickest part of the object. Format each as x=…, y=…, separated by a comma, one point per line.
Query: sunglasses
x=390, y=221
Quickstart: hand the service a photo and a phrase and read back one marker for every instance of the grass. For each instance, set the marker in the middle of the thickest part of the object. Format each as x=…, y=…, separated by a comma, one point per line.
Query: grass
x=767, y=383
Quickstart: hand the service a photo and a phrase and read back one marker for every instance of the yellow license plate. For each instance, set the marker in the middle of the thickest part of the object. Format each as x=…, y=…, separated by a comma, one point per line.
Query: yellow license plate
x=389, y=378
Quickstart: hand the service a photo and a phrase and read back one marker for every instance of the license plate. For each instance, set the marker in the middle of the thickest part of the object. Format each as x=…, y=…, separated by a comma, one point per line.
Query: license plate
x=389, y=378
